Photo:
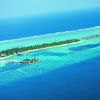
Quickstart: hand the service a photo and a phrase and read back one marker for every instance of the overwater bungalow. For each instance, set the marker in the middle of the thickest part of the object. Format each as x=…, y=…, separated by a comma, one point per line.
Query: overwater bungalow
x=19, y=53
x=29, y=61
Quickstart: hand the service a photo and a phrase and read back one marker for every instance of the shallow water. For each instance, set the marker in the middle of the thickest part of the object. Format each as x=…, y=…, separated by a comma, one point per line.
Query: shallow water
x=59, y=56
x=76, y=75
x=49, y=38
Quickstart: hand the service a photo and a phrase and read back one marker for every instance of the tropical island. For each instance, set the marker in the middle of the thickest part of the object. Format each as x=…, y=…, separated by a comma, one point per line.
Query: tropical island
x=21, y=50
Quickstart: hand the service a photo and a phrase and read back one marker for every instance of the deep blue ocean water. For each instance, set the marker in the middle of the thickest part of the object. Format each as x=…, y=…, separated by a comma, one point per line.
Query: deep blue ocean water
x=79, y=81
x=51, y=23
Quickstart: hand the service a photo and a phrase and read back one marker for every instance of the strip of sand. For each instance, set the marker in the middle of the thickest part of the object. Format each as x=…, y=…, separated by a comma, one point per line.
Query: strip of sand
x=41, y=49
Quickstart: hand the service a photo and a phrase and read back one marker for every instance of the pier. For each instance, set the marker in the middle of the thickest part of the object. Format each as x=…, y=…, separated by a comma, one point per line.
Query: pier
x=25, y=61
x=16, y=61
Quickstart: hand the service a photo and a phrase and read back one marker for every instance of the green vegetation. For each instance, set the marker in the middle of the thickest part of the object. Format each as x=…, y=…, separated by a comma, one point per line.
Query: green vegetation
x=24, y=49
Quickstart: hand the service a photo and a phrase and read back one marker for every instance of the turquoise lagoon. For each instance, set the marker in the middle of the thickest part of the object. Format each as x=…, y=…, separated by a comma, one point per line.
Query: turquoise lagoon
x=50, y=59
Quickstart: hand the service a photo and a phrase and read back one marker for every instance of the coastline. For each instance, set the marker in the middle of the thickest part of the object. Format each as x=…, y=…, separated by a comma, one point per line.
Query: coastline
x=53, y=46
x=46, y=38
x=53, y=39
x=42, y=49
